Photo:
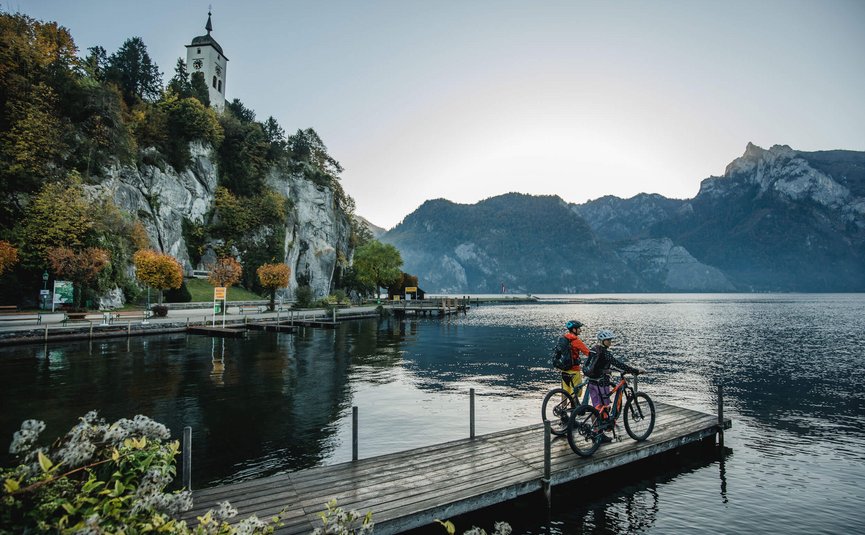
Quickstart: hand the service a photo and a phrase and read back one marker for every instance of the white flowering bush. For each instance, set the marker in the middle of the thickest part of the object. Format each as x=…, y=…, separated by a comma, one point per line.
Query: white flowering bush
x=500, y=528
x=336, y=521
x=104, y=478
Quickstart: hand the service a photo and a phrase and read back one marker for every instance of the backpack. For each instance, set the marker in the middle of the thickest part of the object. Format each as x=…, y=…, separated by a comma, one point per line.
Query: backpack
x=591, y=363
x=562, y=354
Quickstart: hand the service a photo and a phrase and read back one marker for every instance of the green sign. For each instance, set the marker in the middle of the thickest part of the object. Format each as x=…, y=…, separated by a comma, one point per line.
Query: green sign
x=63, y=292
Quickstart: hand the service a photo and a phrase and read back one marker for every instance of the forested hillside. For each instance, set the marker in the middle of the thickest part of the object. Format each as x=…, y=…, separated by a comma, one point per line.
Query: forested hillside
x=78, y=127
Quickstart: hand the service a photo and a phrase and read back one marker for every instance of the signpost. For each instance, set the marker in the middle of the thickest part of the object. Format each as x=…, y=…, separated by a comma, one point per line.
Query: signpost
x=219, y=294
x=62, y=293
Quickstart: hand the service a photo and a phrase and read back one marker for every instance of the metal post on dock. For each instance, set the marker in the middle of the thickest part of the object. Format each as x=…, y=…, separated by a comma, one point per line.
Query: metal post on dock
x=354, y=433
x=187, y=458
x=545, y=482
x=721, y=414
x=471, y=413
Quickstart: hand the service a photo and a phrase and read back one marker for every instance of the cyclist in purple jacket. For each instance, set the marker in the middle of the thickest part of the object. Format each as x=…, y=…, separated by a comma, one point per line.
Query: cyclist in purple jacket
x=599, y=373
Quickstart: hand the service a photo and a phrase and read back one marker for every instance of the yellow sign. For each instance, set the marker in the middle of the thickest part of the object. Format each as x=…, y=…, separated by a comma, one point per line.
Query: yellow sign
x=411, y=289
x=219, y=292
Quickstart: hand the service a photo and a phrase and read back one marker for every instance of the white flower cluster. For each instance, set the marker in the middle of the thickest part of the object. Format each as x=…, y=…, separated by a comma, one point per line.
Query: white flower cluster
x=23, y=439
x=149, y=495
x=250, y=525
x=224, y=512
x=501, y=528
x=139, y=426
x=91, y=526
x=340, y=522
x=79, y=444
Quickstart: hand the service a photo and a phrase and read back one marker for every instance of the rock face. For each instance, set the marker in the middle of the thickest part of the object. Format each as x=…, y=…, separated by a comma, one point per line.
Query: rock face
x=317, y=233
x=317, y=237
x=665, y=266
x=161, y=198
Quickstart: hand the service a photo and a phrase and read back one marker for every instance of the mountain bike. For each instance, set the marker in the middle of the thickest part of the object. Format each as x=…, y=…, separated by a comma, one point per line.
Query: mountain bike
x=587, y=424
x=558, y=405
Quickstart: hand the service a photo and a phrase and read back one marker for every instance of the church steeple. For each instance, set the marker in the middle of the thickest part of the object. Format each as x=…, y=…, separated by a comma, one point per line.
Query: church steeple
x=204, y=55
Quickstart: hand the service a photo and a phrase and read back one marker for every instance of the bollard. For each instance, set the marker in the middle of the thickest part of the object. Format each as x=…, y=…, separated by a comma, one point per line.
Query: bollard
x=545, y=482
x=354, y=433
x=46, y=332
x=187, y=458
x=721, y=414
x=471, y=413
x=91, y=330
x=128, y=328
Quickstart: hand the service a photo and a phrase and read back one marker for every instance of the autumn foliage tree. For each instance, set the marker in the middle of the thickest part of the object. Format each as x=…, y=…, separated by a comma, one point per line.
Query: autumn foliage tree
x=79, y=266
x=8, y=256
x=157, y=270
x=225, y=272
x=273, y=276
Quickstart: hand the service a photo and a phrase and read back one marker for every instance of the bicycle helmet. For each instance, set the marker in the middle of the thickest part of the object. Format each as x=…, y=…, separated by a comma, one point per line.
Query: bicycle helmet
x=573, y=324
x=605, y=334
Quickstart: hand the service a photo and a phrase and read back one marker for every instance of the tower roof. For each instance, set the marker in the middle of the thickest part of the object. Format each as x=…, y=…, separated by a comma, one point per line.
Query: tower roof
x=207, y=40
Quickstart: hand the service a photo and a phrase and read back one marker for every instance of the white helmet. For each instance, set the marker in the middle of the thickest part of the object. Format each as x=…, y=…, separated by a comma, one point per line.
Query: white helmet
x=605, y=334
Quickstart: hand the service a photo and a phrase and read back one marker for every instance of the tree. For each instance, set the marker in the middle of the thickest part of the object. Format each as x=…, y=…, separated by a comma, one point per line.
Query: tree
x=134, y=72
x=8, y=256
x=81, y=267
x=273, y=276
x=225, y=272
x=59, y=216
x=400, y=284
x=377, y=264
x=158, y=270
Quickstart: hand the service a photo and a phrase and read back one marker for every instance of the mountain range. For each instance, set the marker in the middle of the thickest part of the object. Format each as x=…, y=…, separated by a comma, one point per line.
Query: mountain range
x=776, y=220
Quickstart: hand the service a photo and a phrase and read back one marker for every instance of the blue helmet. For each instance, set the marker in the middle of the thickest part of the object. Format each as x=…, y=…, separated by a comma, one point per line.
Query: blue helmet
x=573, y=324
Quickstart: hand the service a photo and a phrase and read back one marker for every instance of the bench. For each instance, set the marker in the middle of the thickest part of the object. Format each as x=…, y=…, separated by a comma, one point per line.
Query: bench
x=21, y=316
x=109, y=317
x=8, y=308
x=243, y=309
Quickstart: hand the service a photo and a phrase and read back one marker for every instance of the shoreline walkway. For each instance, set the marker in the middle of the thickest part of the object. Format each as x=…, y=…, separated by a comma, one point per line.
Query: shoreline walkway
x=410, y=489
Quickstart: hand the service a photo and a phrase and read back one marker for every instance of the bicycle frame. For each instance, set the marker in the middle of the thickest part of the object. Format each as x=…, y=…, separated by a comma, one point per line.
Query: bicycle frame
x=622, y=389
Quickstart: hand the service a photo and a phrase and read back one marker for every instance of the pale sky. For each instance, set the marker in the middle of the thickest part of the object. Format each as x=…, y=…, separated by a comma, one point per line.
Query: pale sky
x=465, y=100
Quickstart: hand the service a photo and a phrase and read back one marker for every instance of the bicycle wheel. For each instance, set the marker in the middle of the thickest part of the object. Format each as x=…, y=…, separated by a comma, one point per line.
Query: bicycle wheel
x=639, y=416
x=585, y=430
x=556, y=409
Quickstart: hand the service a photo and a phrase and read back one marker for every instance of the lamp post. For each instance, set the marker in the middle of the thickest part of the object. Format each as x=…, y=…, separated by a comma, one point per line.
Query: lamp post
x=45, y=290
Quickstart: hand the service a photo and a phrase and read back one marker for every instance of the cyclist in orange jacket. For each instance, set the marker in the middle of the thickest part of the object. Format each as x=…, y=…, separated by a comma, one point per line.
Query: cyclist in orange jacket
x=573, y=376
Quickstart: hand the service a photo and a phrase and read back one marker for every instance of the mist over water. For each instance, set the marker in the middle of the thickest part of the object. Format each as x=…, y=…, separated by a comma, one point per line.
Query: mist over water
x=791, y=365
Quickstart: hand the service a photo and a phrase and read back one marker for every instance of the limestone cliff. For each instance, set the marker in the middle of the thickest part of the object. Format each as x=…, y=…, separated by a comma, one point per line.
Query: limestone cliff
x=317, y=233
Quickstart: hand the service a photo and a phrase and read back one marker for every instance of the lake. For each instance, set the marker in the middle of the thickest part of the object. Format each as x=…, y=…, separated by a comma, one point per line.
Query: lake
x=791, y=364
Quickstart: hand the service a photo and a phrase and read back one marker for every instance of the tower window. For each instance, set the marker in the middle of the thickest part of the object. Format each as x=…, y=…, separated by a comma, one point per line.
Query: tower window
x=220, y=86
x=214, y=81
x=199, y=51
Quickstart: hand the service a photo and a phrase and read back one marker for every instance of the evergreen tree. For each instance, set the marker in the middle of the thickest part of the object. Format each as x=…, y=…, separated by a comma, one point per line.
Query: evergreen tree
x=134, y=72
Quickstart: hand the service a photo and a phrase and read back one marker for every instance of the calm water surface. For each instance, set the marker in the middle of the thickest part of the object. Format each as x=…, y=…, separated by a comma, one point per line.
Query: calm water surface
x=792, y=366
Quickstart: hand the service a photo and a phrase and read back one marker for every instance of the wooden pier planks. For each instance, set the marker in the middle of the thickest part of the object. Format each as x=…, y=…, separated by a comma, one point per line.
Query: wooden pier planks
x=409, y=489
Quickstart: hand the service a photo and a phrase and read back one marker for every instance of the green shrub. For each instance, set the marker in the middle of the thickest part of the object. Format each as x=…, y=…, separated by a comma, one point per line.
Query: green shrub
x=102, y=478
x=304, y=296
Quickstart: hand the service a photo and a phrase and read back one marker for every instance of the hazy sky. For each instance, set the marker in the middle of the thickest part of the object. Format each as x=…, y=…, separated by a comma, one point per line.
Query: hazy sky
x=466, y=100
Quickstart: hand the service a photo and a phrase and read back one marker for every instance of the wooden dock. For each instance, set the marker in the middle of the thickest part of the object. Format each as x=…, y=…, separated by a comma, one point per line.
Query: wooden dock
x=428, y=307
x=411, y=489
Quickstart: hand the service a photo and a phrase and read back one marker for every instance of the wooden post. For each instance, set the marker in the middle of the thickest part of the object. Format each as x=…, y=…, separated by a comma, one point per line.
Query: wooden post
x=334, y=314
x=545, y=482
x=354, y=433
x=129, y=328
x=721, y=414
x=46, y=332
x=91, y=330
x=187, y=458
x=471, y=413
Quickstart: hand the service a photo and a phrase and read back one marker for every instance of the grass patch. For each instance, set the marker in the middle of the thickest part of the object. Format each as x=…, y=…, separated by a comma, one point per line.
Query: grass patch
x=201, y=290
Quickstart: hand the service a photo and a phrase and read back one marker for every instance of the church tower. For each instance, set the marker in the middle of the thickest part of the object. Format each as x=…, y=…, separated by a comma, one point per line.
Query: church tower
x=205, y=55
